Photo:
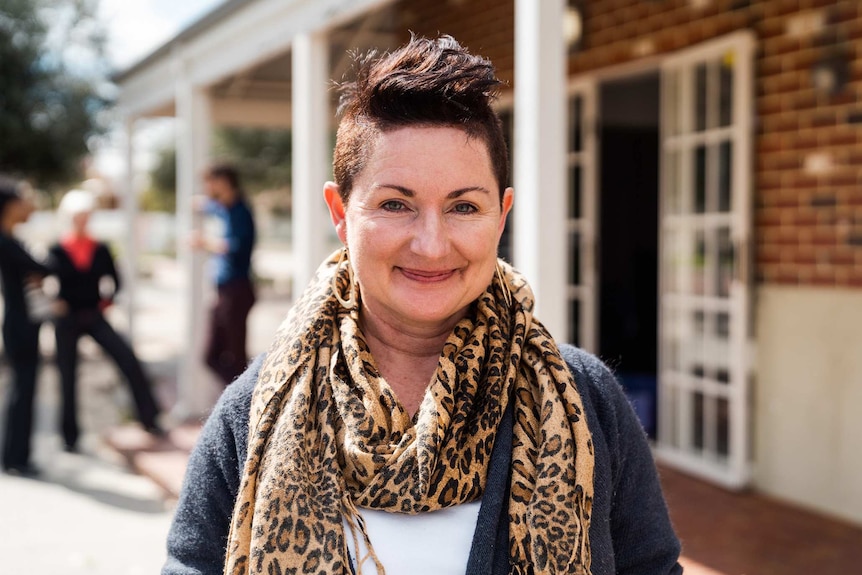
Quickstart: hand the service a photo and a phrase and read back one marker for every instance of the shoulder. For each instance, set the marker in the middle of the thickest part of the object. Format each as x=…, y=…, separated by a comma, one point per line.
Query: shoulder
x=608, y=409
x=231, y=413
x=591, y=375
x=236, y=399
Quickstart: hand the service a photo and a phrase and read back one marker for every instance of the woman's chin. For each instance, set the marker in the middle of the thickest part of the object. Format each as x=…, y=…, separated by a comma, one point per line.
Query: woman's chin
x=431, y=311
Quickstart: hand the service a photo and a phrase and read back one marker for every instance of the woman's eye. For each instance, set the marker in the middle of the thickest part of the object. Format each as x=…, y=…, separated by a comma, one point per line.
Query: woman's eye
x=465, y=208
x=393, y=206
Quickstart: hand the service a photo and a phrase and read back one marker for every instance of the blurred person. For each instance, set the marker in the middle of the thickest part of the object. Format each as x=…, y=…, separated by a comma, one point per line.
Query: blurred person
x=225, y=349
x=84, y=267
x=412, y=415
x=19, y=272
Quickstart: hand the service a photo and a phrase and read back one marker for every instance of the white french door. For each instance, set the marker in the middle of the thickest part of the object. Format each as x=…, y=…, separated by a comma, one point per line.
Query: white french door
x=581, y=216
x=704, y=269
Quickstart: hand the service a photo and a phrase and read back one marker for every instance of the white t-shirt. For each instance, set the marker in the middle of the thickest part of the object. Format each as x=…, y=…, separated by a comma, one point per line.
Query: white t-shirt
x=434, y=543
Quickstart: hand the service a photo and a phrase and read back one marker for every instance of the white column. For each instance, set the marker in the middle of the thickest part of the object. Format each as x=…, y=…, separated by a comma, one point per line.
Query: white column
x=130, y=209
x=311, y=154
x=540, y=157
x=197, y=389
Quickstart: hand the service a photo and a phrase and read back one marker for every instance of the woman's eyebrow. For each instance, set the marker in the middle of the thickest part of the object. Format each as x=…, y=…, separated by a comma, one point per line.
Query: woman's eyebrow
x=407, y=192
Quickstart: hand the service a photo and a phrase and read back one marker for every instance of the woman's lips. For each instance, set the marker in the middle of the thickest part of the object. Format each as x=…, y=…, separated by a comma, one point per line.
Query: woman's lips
x=427, y=276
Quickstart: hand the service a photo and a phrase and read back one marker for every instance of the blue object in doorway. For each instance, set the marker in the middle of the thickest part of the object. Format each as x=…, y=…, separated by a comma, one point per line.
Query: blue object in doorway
x=641, y=389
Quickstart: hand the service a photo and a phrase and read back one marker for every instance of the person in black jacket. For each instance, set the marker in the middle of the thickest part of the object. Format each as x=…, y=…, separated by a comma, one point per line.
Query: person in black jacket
x=20, y=330
x=81, y=264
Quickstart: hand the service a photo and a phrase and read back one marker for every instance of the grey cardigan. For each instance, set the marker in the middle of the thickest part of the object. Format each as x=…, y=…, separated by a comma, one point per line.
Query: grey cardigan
x=630, y=531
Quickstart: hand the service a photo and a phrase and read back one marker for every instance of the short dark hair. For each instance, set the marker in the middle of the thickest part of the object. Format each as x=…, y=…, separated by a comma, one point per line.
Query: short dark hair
x=227, y=172
x=424, y=83
x=9, y=192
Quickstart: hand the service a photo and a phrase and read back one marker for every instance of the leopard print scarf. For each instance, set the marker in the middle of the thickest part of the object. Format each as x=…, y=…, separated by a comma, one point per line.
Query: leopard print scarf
x=327, y=435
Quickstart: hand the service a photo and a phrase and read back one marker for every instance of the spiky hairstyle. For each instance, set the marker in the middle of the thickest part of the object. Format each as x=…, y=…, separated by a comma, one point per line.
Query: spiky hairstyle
x=424, y=83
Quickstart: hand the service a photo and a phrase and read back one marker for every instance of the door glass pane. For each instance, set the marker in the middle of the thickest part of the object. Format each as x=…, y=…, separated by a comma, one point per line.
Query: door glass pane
x=697, y=420
x=575, y=191
x=724, y=277
x=671, y=405
x=722, y=421
x=700, y=97
x=698, y=265
x=725, y=172
x=574, y=322
x=673, y=189
x=574, y=258
x=700, y=179
x=575, y=124
x=673, y=262
x=695, y=345
x=722, y=325
x=725, y=89
x=672, y=360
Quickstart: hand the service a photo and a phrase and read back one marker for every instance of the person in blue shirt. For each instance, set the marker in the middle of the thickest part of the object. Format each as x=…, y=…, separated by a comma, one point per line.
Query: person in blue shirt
x=226, y=340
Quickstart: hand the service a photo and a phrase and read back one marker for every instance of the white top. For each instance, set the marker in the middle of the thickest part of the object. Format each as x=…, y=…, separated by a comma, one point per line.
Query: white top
x=433, y=543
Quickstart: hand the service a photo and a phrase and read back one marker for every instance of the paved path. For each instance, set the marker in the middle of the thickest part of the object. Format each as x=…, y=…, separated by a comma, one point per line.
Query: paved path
x=86, y=516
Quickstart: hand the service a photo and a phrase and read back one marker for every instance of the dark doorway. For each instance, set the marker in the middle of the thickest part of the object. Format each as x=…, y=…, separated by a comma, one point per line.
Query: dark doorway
x=628, y=199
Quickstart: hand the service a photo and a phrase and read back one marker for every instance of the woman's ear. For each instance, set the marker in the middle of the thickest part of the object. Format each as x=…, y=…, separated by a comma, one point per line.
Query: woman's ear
x=336, y=209
x=508, y=200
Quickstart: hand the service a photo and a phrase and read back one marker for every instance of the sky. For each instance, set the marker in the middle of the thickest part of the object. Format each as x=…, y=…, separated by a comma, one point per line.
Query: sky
x=135, y=29
x=138, y=27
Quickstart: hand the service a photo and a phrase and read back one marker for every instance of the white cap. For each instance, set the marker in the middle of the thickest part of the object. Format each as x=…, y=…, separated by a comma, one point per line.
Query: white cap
x=77, y=202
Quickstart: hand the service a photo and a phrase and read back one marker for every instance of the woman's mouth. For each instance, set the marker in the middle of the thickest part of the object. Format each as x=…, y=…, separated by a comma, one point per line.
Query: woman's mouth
x=427, y=276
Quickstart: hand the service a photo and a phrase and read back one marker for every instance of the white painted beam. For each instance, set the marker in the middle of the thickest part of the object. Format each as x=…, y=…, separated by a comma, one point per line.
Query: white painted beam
x=311, y=153
x=197, y=389
x=129, y=204
x=540, y=157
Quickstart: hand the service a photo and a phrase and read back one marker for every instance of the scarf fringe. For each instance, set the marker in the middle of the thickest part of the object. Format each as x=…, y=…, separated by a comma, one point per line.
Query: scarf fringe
x=356, y=523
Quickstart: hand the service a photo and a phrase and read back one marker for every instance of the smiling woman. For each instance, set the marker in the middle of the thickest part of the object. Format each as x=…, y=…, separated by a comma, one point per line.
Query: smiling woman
x=412, y=416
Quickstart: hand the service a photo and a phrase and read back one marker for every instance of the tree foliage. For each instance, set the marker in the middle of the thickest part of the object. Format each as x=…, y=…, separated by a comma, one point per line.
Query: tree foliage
x=53, y=87
x=263, y=158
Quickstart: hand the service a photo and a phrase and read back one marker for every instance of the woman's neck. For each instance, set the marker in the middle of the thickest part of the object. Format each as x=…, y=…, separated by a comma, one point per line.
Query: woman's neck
x=407, y=356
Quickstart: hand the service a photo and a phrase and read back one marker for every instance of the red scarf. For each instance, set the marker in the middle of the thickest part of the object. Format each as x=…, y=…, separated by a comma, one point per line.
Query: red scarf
x=81, y=250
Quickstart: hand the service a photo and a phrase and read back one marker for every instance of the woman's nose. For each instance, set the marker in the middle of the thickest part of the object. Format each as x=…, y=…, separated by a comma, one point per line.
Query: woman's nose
x=430, y=237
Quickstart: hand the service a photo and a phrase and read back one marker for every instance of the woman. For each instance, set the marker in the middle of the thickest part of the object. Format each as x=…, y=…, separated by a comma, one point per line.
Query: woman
x=411, y=415
x=81, y=264
x=20, y=330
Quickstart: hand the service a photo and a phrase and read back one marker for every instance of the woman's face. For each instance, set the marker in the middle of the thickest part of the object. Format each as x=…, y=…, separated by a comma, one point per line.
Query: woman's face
x=80, y=221
x=20, y=210
x=422, y=225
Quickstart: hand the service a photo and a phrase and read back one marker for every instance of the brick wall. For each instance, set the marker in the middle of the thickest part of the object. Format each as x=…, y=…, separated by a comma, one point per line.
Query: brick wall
x=486, y=27
x=808, y=165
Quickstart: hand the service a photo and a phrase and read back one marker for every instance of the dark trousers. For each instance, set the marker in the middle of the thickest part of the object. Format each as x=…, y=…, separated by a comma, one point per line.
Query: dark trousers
x=226, y=350
x=21, y=340
x=91, y=322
